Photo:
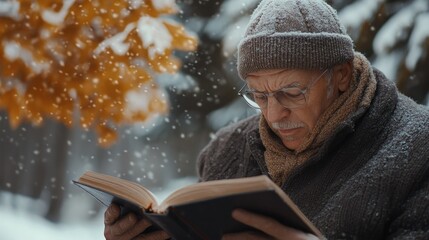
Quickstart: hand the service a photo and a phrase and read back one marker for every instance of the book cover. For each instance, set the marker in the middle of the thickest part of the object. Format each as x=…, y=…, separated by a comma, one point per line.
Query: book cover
x=202, y=210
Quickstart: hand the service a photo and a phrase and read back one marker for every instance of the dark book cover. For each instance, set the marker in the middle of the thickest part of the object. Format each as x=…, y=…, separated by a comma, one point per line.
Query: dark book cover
x=210, y=219
x=107, y=198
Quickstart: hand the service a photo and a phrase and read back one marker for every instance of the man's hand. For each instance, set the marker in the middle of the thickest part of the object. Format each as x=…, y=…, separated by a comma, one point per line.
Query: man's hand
x=269, y=228
x=128, y=227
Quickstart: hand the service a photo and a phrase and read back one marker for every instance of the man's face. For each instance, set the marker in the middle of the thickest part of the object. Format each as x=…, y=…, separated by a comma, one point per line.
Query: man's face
x=292, y=125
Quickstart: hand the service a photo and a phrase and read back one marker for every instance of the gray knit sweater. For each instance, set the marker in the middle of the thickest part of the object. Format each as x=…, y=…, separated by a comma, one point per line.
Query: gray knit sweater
x=369, y=181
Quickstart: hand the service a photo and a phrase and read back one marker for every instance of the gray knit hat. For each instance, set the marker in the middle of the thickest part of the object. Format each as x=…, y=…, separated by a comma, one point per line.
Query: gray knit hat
x=300, y=34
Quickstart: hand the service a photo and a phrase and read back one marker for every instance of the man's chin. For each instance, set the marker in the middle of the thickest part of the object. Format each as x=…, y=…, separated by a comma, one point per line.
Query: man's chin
x=291, y=143
x=290, y=137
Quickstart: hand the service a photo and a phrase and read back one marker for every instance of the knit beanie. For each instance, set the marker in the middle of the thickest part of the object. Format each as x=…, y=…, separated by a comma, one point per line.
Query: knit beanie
x=293, y=34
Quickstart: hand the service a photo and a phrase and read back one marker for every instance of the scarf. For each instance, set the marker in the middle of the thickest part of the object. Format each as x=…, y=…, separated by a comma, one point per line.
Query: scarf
x=281, y=160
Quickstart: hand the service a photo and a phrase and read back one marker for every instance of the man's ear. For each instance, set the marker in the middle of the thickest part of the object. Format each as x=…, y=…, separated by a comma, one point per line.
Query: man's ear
x=342, y=75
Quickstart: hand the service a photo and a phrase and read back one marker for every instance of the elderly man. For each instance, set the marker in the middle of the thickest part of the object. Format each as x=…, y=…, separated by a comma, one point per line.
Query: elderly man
x=334, y=133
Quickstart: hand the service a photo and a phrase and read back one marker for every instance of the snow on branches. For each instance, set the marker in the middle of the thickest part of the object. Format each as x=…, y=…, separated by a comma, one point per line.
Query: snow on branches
x=87, y=60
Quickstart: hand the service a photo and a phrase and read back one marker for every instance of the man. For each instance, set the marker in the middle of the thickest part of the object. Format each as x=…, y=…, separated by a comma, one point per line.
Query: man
x=334, y=133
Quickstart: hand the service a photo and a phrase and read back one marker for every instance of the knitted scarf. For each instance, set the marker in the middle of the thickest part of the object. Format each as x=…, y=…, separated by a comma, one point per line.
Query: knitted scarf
x=280, y=160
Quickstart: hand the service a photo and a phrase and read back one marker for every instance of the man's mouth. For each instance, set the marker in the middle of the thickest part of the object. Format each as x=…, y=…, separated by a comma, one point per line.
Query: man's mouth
x=286, y=126
x=288, y=131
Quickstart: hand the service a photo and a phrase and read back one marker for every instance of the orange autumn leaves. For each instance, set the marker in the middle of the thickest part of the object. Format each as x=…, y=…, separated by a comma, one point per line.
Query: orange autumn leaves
x=85, y=61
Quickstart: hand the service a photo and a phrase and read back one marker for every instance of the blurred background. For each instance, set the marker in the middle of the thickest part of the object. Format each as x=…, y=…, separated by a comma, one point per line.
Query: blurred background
x=137, y=88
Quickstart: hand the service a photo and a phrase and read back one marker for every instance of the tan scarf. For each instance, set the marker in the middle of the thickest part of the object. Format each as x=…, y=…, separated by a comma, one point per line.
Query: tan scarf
x=280, y=160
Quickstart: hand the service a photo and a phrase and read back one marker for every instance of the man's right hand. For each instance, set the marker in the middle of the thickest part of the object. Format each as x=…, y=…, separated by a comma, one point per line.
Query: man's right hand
x=128, y=227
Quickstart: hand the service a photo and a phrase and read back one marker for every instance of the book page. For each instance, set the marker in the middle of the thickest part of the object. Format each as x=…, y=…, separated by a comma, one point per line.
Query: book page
x=128, y=190
x=212, y=189
x=228, y=187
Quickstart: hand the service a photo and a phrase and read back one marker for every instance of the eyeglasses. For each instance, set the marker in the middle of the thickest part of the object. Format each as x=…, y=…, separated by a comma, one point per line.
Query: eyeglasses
x=288, y=97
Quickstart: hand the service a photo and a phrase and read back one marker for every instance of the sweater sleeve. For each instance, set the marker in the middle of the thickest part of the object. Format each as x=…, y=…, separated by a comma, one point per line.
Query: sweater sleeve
x=207, y=157
x=219, y=158
x=223, y=157
x=412, y=221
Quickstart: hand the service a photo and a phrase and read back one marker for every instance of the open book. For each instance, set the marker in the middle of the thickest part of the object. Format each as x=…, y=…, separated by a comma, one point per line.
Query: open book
x=201, y=210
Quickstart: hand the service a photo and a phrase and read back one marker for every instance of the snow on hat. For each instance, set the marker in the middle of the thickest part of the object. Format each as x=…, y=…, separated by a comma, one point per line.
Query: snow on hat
x=300, y=34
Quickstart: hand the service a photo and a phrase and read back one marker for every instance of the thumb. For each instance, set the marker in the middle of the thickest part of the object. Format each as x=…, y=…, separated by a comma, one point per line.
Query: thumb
x=111, y=214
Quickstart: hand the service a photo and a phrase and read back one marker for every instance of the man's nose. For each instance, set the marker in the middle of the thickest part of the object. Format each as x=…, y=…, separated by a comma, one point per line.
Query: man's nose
x=275, y=111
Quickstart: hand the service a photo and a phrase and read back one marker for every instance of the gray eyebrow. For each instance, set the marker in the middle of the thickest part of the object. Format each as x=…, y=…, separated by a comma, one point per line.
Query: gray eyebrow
x=293, y=84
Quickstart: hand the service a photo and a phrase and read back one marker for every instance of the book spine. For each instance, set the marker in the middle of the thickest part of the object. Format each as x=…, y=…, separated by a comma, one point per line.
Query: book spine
x=173, y=225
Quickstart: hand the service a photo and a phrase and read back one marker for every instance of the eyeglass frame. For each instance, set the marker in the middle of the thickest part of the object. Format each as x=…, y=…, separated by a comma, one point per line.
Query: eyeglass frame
x=242, y=92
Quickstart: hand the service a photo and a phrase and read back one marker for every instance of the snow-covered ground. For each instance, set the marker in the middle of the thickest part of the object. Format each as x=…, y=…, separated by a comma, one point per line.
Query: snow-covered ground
x=22, y=223
x=19, y=225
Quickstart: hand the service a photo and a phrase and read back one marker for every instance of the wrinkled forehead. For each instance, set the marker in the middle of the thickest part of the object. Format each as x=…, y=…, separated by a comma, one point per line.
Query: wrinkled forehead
x=267, y=72
x=273, y=73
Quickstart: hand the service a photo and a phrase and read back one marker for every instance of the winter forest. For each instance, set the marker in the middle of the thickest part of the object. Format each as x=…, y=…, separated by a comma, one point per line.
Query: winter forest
x=136, y=88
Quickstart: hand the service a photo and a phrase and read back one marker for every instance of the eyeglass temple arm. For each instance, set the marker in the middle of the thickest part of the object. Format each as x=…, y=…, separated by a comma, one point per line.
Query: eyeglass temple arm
x=240, y=92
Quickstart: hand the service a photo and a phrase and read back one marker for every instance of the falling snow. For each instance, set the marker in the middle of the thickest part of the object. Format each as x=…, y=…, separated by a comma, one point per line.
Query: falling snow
x=153, y=153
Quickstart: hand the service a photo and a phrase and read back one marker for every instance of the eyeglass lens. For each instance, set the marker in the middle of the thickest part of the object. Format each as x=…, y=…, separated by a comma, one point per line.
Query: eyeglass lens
x=292, y=97
x=288, y=97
